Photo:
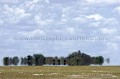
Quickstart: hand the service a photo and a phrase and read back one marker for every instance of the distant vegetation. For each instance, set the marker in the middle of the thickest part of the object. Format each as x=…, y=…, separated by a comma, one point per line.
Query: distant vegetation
x=75, y=58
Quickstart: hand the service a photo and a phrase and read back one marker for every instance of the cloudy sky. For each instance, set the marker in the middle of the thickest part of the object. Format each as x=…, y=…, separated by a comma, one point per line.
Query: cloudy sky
x=61, y=18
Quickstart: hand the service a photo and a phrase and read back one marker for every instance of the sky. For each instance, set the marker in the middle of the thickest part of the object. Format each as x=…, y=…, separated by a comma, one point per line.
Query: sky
x=61, y=18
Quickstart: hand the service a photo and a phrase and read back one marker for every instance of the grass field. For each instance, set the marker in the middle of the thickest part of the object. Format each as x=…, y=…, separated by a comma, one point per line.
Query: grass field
x=56, y=72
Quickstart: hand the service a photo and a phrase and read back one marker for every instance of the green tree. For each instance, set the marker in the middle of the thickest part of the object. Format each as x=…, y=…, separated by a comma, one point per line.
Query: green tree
x=6, y=61
x=75, y=58
x=99, y=60
x=49, y=60
x=39, y=59
x=29, y=60
x=15, y=60
x=25, y=61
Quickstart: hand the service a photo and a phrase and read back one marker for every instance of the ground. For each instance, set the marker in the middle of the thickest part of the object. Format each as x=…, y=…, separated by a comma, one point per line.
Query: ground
x=57, y=72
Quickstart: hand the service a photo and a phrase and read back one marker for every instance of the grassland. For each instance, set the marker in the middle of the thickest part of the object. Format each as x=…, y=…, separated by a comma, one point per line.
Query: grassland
x=56, y=72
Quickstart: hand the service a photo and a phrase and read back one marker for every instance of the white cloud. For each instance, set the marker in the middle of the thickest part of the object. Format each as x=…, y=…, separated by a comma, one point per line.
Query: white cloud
x=47, y=1
x=95, y=17
x=111, y=22
x=108, y=31
x=115, y=39
x=33, y=33
x=35, y=1
x=60, y=1
x=105, y=22
x=118, y=37
x=9, y=1
x=71, y=30
x=42, y=22
x=20, y=14
x=104, y=1
x=1, y=22
x=112, y=46
x=80, y=19
x=117, y=10
x=95, y=24
x=13, y=15
x=38, y=32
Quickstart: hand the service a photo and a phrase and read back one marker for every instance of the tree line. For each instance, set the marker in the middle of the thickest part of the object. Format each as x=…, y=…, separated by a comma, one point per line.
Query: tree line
x=75, y=58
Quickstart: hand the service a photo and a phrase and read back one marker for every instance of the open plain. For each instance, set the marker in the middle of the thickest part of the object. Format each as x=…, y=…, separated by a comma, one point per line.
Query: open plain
x=60, y=72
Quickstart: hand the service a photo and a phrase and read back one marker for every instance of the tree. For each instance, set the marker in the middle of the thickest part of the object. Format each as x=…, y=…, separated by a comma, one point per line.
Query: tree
x=6, y=61
x=63, y=60
x=93, y=60
x=39, y=59
x=29, y=60
x=10, y=61
x=49, y=60
x=108, y=60
x=75, y=58
x=25, y=61
x=85, y=59
x=99, y=60
x=22, y=61
x=15, y=60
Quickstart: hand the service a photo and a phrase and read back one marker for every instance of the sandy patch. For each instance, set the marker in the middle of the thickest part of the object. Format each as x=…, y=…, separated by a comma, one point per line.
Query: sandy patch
x=96, y=78
x=54, y=73
x=38, y=74
x=75, y=76
x=114, y=76
x=1, y=70
x=97, y=71
x=108, y=75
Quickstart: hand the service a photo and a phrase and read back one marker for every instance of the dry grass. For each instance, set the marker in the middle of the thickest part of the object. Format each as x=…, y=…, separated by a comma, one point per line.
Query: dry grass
x=55, y=72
